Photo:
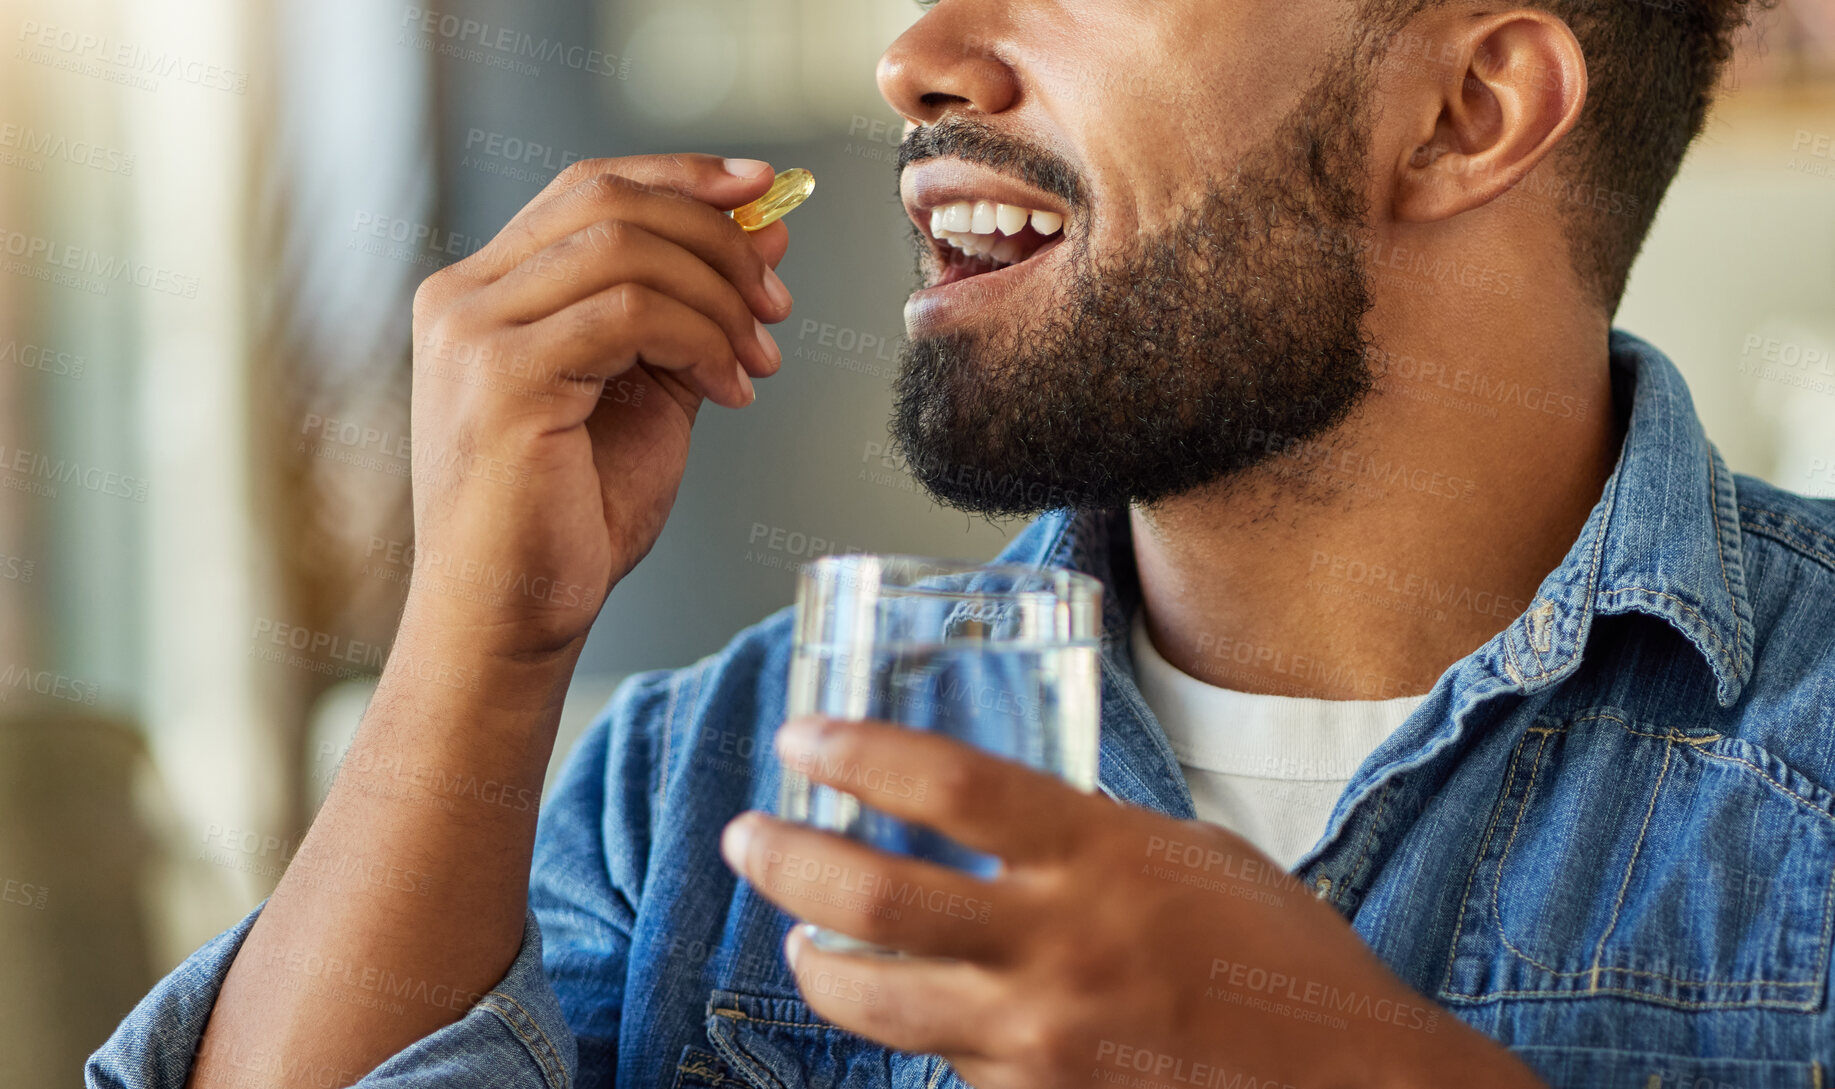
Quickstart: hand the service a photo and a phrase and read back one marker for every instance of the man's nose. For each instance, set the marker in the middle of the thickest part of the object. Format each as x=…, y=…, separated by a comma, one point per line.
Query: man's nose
x=949, y=62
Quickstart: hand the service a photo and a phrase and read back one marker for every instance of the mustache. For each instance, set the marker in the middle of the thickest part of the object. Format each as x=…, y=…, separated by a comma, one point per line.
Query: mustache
x=981, y=144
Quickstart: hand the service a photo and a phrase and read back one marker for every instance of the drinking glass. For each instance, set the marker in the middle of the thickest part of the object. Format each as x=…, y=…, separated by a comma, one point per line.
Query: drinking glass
x=1002, y=657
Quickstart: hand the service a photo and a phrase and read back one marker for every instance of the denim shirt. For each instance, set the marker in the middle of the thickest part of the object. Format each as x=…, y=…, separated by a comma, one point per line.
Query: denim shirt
x=1606, y=838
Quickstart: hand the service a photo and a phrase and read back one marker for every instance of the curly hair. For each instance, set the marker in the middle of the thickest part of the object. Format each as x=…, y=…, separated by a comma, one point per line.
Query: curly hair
x=1652, y=66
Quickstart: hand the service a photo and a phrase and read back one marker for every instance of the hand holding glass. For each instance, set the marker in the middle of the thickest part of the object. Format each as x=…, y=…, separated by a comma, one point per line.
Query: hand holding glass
x=1004, y=658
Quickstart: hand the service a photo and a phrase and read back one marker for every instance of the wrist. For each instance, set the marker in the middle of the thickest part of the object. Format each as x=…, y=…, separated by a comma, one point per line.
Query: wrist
x=484, y=663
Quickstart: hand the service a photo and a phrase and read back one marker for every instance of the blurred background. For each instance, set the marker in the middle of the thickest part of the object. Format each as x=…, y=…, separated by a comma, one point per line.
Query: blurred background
x=213, y=216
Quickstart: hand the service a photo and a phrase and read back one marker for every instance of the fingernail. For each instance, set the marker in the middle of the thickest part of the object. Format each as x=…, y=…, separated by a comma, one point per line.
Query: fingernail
x=799, y=935
x=745, y=383
x=775, y=290
x=768, y=342
x=734, y=840
x=746, y=168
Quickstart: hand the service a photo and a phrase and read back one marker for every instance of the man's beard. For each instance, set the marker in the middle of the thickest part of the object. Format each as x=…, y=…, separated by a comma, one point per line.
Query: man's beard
x=1193, y=357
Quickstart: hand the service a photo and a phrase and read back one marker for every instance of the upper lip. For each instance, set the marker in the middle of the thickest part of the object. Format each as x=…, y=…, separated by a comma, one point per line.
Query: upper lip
x=936, y=182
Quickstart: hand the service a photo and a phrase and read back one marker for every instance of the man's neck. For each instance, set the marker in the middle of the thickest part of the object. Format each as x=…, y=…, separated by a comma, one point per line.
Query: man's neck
x=1362, y=564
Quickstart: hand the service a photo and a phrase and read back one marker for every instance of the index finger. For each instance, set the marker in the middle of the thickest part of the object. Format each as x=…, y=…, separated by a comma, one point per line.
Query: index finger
x=557, y=211
x=974, y=797
x=707, y=178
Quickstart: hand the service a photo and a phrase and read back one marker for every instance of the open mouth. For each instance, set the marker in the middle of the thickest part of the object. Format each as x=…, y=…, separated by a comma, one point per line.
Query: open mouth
x=976, y=237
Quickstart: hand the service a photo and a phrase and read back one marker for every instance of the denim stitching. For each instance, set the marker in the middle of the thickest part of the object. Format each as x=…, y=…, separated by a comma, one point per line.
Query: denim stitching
x=1363, y=856
x=1697, y=742
x=937, y=1078
x=1720, y=553
x=1610, y=499
x=1497, y=915
x=1516, y=825
x=741, y=1015
x=663, y=770
x=1618, y=906
x=708, y=1071
x=1808, y=1003
x=1706, y=629
x=1446, y=982
x=1823, y=540
x=553, y=1070
x=1497, y=918
x=737, y=1056
x=1516, y=671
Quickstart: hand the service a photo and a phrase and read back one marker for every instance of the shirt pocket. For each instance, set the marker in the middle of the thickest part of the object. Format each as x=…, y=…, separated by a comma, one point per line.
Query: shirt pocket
x=780, y=1043
x=702, y=1069
x=1630, y=859
x=1608, y=1068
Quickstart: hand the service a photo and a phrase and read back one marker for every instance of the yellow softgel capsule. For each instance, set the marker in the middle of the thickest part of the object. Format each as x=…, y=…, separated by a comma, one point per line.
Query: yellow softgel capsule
x=790, y=189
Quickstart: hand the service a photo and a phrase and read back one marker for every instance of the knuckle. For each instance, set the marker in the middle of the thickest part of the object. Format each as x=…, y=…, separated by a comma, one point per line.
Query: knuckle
x=878, y=919
x=430, y=297
x=445, y=332
x=584, y=170
x=629, y=303
x=1040, y=1040
x=609, y=234
x=961, y=786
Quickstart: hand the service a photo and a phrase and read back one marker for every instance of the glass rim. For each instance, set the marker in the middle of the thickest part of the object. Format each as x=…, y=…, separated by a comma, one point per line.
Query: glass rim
x=1049, y=578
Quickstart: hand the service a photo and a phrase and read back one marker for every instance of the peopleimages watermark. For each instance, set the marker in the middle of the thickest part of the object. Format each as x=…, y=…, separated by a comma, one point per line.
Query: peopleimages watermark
x=1242, y=661
x=877, y=894
x=410, y=242
x=16, y=678
x=847, y=349
x=501, y=46
x=1813, y=153
x=1311, y=1000
x=1142, y=1068
x=24, y=893
x=269, y=856
x=392, y=453
x=262, y=1066
x=336, y=656
x=37, y=357
x=788, y=549
x=116, y=61
x=1788, y=363
x=41, y=474
x=29, y=149
x=506, y=156
x=1390, y=587
x=1429, y=381
x=17, y=568
x=1203, y=866
x=1037, y=493
x=469, y=578
x=384, y=776
x=39, y=258
x=368, y=985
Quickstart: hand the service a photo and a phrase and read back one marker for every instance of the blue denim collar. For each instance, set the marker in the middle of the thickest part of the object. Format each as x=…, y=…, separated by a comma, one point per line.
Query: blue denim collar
x=1663, y=540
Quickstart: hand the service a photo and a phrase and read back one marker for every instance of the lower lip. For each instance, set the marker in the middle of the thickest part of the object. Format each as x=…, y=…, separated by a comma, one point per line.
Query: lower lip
x=931, y=309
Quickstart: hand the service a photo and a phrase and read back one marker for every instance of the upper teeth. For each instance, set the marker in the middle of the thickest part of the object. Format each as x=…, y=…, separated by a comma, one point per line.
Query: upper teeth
x=970, y=225
x=986, y=217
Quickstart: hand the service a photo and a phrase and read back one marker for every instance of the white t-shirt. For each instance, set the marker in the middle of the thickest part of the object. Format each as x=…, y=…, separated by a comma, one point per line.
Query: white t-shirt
x=1269, y=768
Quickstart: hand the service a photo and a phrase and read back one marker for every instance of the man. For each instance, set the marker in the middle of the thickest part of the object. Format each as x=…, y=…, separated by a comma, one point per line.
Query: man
x=1464, y=721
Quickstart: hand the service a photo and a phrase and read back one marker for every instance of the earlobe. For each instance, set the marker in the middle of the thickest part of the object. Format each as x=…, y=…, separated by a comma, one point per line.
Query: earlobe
x=1519, y=88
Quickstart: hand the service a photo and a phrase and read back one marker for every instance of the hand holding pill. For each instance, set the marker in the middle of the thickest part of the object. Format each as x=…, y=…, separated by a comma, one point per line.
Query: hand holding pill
x=566, y=362
x=788, y=191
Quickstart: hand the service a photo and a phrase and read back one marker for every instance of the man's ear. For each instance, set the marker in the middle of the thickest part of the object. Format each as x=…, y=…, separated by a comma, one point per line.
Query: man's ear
x=1510, y=87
